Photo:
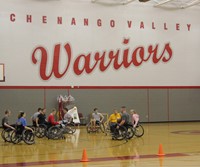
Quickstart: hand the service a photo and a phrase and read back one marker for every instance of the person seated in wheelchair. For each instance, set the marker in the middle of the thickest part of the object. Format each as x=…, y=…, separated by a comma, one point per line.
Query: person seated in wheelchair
x=97, y=118
x=123, y=122
x=41, y=118
x=51, y=119
x=34, y=117
x=5, y=122
x=135, y=118
x=67, y=119
x=21, y=122
x=124, y=118
x=113, y=120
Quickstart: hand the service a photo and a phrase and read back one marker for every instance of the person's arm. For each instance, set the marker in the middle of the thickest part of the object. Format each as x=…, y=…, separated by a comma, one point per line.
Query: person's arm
x=92, y=118
x=136, y=120
x=52, y=120
x=36, y=121
x=101, y=117
x=70, y=119
x=8, y=126
x=64, y=117
x=122, y=122
x=109, y=119
x=28, y=128
x=24, y=123
x=32, y=117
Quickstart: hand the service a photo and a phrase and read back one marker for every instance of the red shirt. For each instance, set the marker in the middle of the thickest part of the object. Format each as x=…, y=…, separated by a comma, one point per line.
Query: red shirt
x=52, y=120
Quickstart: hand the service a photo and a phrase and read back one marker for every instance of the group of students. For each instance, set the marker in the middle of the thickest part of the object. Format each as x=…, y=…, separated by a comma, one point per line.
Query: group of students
x=37, y=118
x=40, y=117
x=123, y=118
x=21, y=120
x=116, y=119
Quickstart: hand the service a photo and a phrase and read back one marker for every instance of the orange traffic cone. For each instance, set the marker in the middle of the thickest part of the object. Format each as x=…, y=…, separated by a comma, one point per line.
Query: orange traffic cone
x=160, y=151
x=84, y=156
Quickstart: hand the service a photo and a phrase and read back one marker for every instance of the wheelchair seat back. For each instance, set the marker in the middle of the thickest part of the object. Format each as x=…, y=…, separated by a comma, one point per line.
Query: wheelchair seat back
x=19, y=128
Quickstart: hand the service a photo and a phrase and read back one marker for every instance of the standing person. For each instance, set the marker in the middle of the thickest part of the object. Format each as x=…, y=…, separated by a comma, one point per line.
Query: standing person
x=5, y=122
x=124, y=118
x=34, y=116
x=97, y=118
x=113, y=120
x=135, y=117
x=22, y=120
x=51, y=118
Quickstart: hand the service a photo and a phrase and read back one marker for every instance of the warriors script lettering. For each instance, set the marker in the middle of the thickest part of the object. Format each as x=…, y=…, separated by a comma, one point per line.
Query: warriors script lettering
x=87, y=63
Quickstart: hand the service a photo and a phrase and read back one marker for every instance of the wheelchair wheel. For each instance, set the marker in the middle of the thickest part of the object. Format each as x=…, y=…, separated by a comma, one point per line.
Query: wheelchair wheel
x=139, y=131
x=6, y=134
x=40, y=131
x=89, y=127
x=120, y=134
x=130, y=132
x=16, y=137
x=72, y=128
x=54, y=132
x=28, y=136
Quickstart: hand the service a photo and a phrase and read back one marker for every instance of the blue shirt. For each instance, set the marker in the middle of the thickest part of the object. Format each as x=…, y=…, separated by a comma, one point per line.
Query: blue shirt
x=22, y=121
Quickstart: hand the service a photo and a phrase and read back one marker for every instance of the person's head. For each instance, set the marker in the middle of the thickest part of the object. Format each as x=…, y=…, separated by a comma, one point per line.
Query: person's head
x=7, y=112
x=53, y=111
x=132, y=111
x=123, y=109
x=39, y=109
x=21, y=114
x=95, y=110
x=115, y=111
x=43, y=111
x=65, y=110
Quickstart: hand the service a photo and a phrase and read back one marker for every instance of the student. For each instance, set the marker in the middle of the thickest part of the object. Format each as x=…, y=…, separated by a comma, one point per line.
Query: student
x=22, y=120
x=41, y=118
x=51, y=118
x=97, y=118
x=124, y=118
x=135, y=117
x=5, y=123
x=67, y=117
x=113, y=120
x=34, y=116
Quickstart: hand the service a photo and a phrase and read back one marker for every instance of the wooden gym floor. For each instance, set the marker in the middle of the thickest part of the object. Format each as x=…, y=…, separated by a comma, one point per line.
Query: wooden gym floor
x=180, y=142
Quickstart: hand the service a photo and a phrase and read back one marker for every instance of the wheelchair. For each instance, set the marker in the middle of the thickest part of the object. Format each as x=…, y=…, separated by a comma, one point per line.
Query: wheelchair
x=69, y=128
x=40, y=131
x=48, y=130
x=130, y=130
x=123, y=132
x=22, y=134
x=119, y=133
x=55, y=132
x=139, y=130
x=6, y=134
x=99, y=127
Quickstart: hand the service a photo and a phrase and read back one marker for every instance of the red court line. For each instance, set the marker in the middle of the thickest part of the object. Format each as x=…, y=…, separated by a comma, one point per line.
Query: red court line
x=90, y=160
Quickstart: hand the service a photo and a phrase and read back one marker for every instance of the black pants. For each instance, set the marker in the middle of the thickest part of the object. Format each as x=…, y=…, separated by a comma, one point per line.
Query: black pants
x=112, y=127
